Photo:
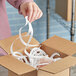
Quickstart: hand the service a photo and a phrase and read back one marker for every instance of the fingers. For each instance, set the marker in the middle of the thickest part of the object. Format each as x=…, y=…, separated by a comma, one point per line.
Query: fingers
x=34, y=14
x=30, y=12
x=40, y=14
x=37, y=13
x=23, y=10
x=24, y=13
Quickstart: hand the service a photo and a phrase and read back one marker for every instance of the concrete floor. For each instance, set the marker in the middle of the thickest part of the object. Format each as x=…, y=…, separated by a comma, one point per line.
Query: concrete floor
x=4, y=72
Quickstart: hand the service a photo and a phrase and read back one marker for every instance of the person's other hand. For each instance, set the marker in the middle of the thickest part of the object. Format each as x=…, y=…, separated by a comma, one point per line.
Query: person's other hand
x=31, y=10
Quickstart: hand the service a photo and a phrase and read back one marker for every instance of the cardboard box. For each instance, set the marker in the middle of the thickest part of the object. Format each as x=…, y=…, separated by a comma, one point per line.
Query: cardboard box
x=54, y=44
x=64, y=9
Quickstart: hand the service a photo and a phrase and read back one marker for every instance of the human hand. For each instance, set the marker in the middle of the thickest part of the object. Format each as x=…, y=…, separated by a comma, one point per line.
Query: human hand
x=31, y=10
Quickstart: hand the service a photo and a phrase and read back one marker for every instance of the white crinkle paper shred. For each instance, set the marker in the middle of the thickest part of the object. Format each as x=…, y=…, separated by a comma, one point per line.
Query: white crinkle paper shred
x=37, y=57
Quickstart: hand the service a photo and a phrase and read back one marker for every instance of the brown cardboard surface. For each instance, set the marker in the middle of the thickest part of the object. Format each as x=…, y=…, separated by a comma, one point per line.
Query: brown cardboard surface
x=69, y=10
x=60, y=44
x=63, y=73
x=64, y=9
x=33, y=73
x=11, y=73
x=6, y=43
x=18, y=68
x=60, y=65
x=15, y=65
x=50, y=51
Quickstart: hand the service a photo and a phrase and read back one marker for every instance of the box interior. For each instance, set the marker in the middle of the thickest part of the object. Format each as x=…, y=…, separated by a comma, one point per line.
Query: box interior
x=48, y=51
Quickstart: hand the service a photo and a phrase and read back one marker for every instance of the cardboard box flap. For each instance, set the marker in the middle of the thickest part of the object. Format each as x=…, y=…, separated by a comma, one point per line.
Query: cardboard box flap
x=6, y=43
x=60, y=65
x=15, y=65
x=61, y=44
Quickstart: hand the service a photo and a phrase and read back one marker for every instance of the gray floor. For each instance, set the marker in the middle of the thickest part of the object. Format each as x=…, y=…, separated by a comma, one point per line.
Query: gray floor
x=3, y=71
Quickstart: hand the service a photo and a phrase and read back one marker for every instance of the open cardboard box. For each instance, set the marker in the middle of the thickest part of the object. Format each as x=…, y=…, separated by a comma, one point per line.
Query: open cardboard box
x=54, y=44
x=64, y=9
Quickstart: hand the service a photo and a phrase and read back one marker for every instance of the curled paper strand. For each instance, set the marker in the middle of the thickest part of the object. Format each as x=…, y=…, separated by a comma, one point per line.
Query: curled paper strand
x=37, y=57
x=30, y=33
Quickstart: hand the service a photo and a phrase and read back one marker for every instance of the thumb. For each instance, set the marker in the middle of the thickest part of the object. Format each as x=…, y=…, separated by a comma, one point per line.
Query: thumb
x=23, y=12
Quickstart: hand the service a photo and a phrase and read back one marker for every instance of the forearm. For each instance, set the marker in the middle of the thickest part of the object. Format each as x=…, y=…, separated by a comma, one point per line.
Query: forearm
x=17, y=3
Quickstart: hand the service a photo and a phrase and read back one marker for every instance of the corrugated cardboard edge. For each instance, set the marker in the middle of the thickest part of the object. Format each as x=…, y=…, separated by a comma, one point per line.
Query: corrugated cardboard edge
x=60, y=65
